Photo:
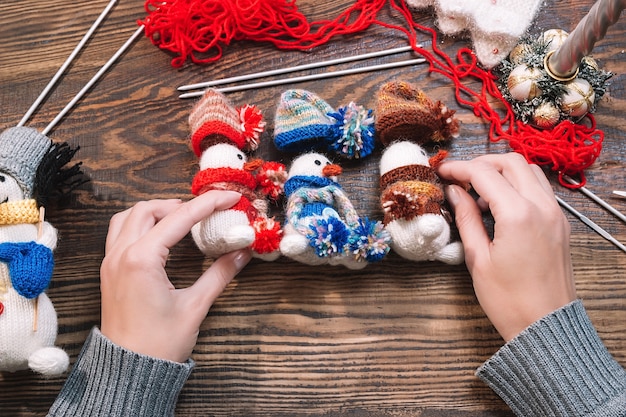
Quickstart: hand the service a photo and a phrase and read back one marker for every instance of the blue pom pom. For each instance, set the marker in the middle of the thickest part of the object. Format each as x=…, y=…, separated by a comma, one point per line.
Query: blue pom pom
x=353, y=131
x=369, y=241
x=328, y=236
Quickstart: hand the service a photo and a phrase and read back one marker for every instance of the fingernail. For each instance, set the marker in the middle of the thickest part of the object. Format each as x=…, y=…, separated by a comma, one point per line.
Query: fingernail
x=241, y=259
x=452, y=194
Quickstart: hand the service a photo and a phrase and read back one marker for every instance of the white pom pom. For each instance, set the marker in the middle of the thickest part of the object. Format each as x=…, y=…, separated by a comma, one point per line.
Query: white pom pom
x=49, y=361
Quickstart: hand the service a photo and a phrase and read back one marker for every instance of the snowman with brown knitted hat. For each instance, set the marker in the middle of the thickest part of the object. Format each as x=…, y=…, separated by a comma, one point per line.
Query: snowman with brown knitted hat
x=412, y=197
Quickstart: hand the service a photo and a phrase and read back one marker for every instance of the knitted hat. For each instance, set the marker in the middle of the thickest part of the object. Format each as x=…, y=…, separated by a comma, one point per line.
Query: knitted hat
x=215, y=120
x=404, y=112
x=305, y=122
x=21, y=151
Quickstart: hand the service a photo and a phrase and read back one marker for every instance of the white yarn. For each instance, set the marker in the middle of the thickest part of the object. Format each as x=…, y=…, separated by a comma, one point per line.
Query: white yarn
x=222, y=232
x=494, y=26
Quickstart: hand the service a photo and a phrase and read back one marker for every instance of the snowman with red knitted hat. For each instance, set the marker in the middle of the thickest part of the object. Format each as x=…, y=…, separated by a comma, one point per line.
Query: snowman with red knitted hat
x=221, y=137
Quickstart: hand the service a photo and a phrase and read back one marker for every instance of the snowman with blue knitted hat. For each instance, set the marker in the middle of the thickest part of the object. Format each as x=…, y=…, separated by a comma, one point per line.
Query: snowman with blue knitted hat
x=30, y=169
x=321, y=224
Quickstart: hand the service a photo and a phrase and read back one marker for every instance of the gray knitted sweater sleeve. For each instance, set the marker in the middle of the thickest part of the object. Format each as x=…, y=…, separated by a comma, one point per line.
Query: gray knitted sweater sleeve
x=558, y=366
x=108, y=380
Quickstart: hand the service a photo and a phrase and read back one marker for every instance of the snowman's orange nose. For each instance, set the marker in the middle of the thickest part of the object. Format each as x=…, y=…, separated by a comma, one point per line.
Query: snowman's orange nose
x=331, y=170
x=252, y=165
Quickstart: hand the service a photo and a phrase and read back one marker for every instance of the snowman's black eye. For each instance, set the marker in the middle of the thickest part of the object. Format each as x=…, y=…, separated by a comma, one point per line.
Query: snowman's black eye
x=423, y=153
x=2, y=178
x=240, y=156
x=318, y=162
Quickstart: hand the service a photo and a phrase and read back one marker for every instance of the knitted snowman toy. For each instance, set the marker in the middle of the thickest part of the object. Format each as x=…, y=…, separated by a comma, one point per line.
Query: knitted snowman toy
x=322, y=226
x=305, y=122
x=30, y=163
x=220, y=135
x=412, y=200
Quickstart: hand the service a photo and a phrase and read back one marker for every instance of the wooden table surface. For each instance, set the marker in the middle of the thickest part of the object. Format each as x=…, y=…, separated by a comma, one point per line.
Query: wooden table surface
x=396, y=339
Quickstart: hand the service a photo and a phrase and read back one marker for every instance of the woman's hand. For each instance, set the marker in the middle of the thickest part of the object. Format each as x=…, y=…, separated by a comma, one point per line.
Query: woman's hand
x=525, y=272
x=141, y=309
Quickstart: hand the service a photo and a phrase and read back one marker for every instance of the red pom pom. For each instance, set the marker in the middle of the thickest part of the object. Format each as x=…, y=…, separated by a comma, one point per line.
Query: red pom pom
x=271, y=178
x=252, y=125
x=267, y=235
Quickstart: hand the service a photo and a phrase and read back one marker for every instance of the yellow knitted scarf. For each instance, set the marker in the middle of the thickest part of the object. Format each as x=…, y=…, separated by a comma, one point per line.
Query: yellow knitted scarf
x=19, y=212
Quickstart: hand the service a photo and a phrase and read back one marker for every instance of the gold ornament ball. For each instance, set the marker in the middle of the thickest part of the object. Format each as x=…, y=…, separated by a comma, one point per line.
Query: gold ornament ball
x=578, y=98
x=519, y=52
x=554, y=38
x=591, y=62
x=522, y=82
x=546, y=115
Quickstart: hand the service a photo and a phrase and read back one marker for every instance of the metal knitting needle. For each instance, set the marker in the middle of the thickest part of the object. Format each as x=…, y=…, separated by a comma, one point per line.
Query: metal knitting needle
x=620, y=193
x=93, y=79
x=308, y=77
x=296, y=68
x=599, y=230
x=597, y=199
x=67, y=62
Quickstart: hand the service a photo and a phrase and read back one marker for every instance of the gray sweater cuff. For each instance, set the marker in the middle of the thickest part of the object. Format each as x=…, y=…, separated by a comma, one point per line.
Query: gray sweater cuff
x=108, y=380
x=558, y=366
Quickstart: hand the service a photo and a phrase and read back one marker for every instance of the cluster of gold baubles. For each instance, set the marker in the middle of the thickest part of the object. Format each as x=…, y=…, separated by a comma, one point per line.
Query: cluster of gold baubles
x=523, y=84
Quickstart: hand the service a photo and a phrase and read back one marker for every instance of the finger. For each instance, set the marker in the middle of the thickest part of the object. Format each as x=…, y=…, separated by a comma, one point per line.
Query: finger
x=214, y=280
x=519, y=173
x=501, y=180
x=130, y=225
x=175, y=226
x=467, y=216
x=543, y=180
x=486, y=179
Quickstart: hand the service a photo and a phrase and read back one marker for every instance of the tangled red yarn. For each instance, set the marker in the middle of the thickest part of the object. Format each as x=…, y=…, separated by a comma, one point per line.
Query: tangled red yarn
x=198, y=30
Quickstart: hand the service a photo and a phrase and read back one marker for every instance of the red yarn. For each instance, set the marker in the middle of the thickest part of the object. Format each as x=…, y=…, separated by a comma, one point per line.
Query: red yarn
x=229, y=175
x=196, y=28
x=199, y=29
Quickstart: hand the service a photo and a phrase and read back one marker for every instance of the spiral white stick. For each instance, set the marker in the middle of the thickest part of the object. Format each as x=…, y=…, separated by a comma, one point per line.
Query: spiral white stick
x=563, y=63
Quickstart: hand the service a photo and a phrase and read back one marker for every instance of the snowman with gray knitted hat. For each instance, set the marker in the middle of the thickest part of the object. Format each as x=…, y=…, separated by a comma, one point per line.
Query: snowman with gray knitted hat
x=30, y=166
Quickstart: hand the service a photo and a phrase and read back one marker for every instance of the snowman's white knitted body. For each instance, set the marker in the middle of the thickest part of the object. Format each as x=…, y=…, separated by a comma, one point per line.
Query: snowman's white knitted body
x=228, y=230
x=25, y=343
x=424, y=237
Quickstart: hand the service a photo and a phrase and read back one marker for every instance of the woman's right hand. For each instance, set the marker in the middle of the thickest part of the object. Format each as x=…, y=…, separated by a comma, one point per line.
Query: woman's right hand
x=525, y=271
